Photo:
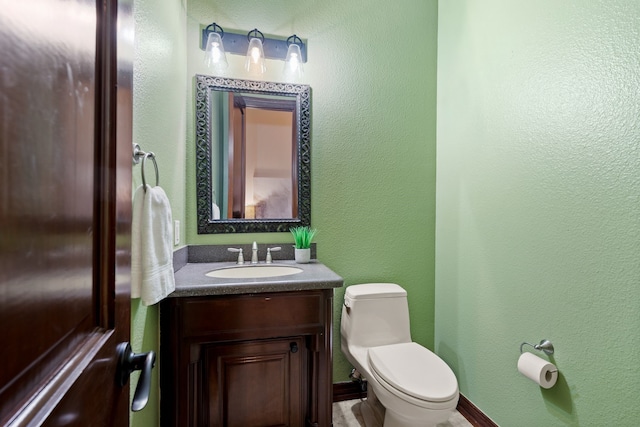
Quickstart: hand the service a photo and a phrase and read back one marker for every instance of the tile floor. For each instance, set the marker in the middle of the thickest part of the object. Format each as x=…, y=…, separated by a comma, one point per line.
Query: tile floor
x=347, y=414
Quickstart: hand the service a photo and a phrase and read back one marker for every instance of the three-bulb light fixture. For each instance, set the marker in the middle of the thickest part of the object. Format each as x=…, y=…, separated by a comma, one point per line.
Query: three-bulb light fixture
x=256, y=48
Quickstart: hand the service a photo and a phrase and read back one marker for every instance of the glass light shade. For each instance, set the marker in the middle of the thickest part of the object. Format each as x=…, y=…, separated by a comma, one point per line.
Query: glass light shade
x=255, y=57
x=293, y=62
x=215, y=56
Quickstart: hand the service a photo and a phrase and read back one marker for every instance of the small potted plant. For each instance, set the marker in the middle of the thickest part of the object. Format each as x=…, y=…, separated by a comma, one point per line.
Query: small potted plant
x=302, y=237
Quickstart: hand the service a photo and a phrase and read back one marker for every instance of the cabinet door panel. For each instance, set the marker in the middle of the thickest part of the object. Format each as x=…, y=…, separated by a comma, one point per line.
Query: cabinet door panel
x=255, y=384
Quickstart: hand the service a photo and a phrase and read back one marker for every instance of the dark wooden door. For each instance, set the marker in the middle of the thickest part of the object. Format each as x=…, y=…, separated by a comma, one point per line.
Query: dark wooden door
x=65, y=209
x=255, y=383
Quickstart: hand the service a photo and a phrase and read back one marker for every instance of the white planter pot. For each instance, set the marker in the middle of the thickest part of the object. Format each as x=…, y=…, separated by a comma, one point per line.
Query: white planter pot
x=302, y=255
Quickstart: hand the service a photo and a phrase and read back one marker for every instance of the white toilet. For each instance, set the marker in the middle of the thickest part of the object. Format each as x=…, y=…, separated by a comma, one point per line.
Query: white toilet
x=415, y=387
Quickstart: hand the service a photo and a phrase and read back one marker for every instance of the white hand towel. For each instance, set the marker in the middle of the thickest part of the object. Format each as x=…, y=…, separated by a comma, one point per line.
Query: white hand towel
x=215, y=210
x=151, y=246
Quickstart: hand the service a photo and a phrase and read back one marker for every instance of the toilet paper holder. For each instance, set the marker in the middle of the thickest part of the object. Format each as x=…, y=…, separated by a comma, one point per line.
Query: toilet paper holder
x=545, y=345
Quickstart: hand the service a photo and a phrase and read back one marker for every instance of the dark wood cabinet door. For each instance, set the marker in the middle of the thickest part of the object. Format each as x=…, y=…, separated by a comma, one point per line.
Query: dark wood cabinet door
x=255, y=383
x=247, y=360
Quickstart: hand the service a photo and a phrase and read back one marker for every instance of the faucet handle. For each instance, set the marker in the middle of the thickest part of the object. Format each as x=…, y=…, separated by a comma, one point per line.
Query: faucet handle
x=269, y=260
x=240, y=256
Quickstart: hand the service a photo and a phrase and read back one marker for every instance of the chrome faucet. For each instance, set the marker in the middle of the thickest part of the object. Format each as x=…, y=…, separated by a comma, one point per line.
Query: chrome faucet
x=254, y=253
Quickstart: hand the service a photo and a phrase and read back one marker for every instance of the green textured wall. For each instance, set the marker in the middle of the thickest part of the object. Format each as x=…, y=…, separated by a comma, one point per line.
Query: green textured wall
x=159, y=117
x=538, y=197
x=372, y=69
x=373, y=137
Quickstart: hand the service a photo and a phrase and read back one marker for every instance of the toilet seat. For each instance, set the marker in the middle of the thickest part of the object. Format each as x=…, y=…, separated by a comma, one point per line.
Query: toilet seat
x=410, y=369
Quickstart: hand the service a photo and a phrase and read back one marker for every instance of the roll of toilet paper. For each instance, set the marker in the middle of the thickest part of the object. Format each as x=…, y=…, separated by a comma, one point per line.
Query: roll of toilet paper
x=540, y=371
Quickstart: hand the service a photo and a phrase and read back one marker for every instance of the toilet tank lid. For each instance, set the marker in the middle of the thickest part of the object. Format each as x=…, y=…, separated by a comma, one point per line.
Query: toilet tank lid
x=374, y=291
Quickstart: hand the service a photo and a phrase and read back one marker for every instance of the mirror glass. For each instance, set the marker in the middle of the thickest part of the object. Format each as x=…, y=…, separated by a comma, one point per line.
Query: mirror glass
x=252, y=155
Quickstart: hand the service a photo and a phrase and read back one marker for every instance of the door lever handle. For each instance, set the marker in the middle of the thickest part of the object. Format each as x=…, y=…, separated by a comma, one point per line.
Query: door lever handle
x=128, y=361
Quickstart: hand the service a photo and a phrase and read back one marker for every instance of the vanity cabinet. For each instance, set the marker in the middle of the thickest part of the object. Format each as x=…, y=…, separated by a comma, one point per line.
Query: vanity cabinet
x=253, y=360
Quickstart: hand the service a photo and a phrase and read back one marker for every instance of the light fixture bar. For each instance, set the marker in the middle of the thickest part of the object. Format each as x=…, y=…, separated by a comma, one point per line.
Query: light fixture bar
x=239, y=43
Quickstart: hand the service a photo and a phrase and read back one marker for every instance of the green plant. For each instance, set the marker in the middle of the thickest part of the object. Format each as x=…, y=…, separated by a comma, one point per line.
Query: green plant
x=303, y=236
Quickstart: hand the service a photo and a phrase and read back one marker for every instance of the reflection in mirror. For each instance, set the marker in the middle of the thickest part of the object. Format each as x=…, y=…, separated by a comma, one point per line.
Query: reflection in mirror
x=260, y=147
x=252, y=155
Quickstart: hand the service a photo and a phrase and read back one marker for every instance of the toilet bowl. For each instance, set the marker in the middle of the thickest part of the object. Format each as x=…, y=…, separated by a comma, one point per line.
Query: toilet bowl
x=413, y=385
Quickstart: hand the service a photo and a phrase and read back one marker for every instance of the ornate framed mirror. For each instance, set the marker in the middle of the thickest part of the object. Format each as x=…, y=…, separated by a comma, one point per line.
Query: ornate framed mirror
x=252, y=155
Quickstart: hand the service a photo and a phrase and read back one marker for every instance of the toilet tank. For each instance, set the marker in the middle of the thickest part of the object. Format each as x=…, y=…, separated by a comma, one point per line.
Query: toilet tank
x=375, y=314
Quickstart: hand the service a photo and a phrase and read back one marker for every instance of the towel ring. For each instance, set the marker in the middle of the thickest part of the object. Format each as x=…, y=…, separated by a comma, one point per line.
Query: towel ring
x=155, y=165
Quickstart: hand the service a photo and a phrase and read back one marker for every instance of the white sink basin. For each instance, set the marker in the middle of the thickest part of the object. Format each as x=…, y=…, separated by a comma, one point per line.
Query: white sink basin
x=254, y=271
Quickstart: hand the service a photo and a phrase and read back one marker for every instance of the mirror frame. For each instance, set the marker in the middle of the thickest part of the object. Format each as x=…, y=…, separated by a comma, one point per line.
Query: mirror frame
x=302, y=93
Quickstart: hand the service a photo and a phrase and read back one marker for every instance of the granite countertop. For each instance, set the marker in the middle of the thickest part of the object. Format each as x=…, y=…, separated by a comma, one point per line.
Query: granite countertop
x=191, y=280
